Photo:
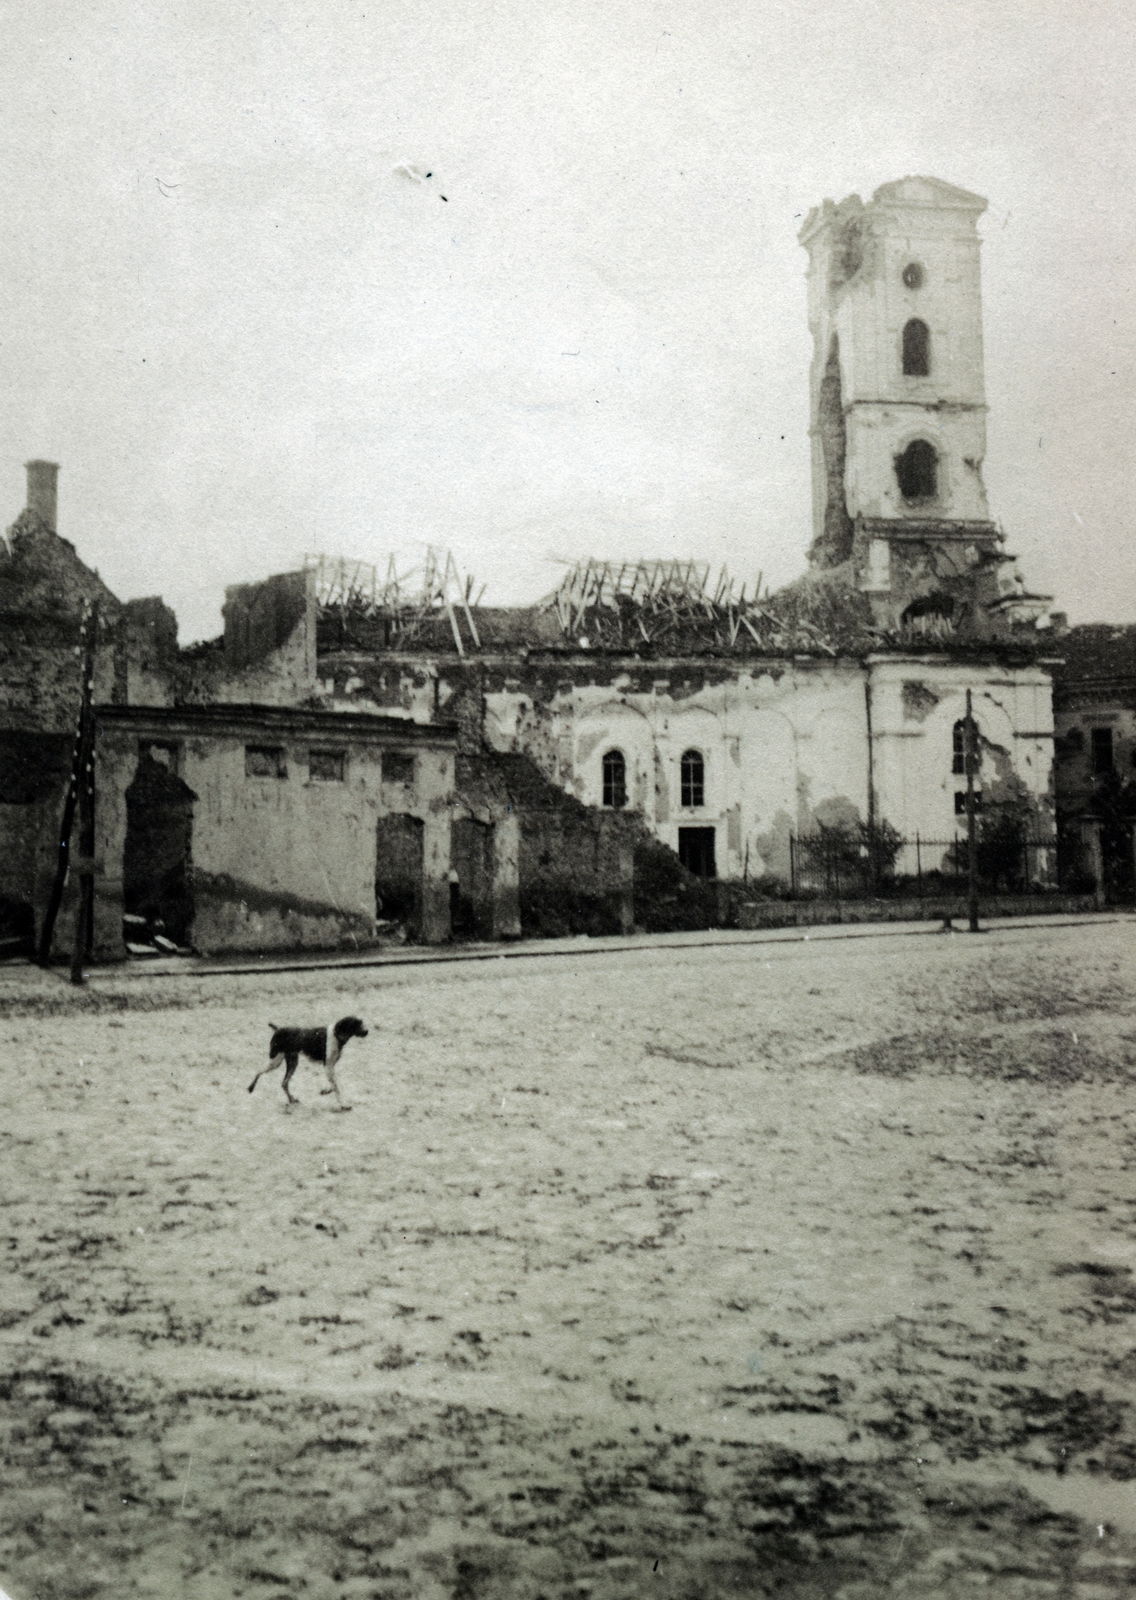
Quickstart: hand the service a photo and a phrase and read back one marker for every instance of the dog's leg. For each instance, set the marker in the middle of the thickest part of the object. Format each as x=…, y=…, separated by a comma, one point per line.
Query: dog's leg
x=293, y=1063
x=329, y=1068
x=271, y=1067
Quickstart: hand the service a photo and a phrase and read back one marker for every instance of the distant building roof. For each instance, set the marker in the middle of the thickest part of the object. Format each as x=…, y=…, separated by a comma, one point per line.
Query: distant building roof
x=1096, y=652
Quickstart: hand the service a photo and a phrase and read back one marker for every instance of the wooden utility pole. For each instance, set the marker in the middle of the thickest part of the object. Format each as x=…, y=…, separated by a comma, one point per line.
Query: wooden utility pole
x=83, y=862
x=971, y=747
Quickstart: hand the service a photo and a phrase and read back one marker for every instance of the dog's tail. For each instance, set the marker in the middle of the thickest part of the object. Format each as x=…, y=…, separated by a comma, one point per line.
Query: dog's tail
x=272, y=1025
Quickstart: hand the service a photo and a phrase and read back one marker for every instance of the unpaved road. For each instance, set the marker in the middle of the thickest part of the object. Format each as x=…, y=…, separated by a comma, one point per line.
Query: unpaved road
x=796, y=1269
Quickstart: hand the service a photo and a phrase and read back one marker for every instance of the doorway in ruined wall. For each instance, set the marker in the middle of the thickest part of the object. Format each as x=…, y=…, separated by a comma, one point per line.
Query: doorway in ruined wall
x=157, y=879
x=696, y=851
x=400, y=860
x=471, y=879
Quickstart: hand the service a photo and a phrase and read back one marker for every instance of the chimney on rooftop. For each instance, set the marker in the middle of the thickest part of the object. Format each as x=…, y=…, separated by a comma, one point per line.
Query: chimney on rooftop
x=41, y=489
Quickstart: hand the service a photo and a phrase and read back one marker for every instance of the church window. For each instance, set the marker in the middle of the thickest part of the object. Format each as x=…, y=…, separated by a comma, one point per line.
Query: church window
x=958, y=763
x=916, y=349
x=614, y=780
x=917, y=471
x=913, y=275
x=693, y=779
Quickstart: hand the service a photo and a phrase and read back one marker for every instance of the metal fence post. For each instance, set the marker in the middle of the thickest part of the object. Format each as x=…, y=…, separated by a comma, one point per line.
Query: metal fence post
x=971, y=832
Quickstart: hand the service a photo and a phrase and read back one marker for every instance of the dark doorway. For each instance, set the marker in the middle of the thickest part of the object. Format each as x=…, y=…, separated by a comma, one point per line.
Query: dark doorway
x=399, y=861
x=471, y=890
x=696, y=851
x=17, y=928
x=156, y=878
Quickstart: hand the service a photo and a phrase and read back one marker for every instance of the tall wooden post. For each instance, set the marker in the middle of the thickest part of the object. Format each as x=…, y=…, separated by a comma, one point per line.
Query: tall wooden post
x=1091, y=833
x=971, y=837
x=82, y=862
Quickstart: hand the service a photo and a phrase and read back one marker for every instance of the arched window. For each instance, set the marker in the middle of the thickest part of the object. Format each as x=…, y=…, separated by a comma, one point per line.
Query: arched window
x=614, y=779
x=958, y=764
x=917, y=471
x=693, y=775
x=916, y=349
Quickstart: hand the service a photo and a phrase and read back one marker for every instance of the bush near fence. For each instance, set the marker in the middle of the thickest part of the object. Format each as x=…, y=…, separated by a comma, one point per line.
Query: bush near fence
x=863, y=862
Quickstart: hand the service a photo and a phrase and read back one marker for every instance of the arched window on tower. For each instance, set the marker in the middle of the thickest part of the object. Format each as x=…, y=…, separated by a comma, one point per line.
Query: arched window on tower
x=693, y=779
x=916, y=349
x=917, y=471
x=614, y=780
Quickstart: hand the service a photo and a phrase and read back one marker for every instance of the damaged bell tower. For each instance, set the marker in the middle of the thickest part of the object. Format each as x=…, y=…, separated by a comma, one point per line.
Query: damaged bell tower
x=898, y=409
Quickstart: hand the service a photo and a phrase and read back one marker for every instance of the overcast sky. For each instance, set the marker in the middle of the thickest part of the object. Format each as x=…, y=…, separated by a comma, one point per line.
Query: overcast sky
x=246, y=332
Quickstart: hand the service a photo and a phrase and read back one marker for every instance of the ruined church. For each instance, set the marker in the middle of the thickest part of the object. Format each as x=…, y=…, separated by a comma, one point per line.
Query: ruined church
x=351, y=755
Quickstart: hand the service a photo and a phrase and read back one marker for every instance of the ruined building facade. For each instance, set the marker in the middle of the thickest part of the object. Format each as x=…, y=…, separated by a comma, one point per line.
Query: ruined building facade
x=732, y=726
x=349, y=754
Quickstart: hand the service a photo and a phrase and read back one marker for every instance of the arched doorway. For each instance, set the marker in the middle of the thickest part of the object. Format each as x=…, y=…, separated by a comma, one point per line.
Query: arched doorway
x=399, y=862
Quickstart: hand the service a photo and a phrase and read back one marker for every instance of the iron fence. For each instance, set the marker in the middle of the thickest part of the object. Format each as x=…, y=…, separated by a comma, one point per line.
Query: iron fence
x=842, y=864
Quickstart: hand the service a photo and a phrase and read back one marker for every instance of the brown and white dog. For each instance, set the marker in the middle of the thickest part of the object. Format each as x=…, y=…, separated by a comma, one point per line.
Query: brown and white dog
x=324, y=1045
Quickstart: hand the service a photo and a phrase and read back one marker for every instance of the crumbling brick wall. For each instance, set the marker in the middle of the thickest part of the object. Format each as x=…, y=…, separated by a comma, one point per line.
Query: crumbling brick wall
x=834, y=544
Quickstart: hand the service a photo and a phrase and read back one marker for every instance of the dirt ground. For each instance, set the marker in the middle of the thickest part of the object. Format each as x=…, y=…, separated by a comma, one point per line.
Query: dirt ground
x=798, y=1269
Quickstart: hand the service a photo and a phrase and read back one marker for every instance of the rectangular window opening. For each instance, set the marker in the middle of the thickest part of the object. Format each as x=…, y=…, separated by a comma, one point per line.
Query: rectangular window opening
x=326, y=766
x=265, y=761
x=164, y=753
x=398, y=766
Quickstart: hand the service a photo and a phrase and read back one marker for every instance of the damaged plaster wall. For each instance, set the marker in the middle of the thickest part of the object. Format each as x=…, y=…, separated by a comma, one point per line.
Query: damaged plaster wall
x=281, y=858
x=269, y=642
x=784, y=743
x=915, y=706
x=778, y=740
x=935, y=589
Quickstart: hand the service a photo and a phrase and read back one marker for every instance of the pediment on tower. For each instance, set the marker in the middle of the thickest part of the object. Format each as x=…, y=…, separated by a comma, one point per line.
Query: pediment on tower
x=919, y=191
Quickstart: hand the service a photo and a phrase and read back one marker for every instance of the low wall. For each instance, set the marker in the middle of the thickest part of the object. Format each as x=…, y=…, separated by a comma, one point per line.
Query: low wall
x=809, y=913
x=233, y=915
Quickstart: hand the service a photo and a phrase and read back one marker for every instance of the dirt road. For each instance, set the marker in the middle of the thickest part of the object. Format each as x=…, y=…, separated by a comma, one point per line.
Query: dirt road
x=800, y=1269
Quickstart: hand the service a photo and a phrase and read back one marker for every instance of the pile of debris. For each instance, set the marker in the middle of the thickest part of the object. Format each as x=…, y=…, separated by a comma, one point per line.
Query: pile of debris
x=146, y=936
x=399, y=611
x=676, y=605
